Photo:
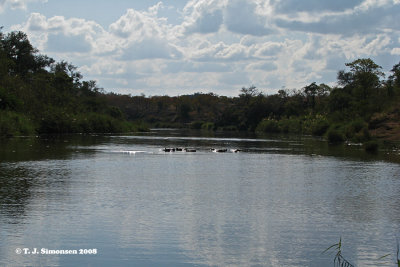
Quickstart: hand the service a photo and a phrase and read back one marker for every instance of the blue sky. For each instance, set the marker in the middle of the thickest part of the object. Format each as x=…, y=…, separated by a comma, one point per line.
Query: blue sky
x=178, y=47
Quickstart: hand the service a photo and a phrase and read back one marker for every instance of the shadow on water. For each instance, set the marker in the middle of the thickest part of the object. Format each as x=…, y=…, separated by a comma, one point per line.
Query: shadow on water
x=45, y=147
x=287, y=189
x=14, y=191
x=253, y=143
x=20, y=176
x=17, y=179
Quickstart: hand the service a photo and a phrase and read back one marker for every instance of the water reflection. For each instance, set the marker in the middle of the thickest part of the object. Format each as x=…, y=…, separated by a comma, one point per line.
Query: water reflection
x=14, y=192
x=279, y=203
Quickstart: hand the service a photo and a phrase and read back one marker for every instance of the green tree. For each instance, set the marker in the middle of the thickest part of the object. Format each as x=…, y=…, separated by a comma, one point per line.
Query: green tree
x=183, y=110
x=311, y=92
x=363, y=78
x=18, y=48
x=393, y=83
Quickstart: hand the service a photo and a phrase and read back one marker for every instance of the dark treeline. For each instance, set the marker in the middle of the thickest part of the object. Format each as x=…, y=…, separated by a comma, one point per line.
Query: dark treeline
x=39, y=95
x=363, y=105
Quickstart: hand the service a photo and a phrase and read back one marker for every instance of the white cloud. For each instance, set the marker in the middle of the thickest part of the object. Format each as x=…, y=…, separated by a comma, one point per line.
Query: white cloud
x=222, y=44
x=222, y=52
x=370, y=16
x=204, y=16
x=268, y=49
x=196, y=67
x=60, y=43
x=395, y=51
x=150, y=48
x=247, y=17
x=294, y=6
x=17, y=4
x=58, y=34
x=142, y=35
x=137, y=24
x=238, y=16
x=267, y=66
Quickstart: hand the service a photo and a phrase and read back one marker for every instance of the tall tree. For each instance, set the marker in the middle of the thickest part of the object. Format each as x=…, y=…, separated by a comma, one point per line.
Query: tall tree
x=363, y=78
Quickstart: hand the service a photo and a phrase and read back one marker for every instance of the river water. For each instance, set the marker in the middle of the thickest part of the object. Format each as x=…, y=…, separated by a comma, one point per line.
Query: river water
x=122, y=201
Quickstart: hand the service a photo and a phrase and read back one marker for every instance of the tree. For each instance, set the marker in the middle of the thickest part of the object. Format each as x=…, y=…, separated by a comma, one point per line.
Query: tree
x=183, y=110
x=395, y=77
x=250, y=91
x=18, y=49
x=311, y=91
x=363, y=79
x=339, y=100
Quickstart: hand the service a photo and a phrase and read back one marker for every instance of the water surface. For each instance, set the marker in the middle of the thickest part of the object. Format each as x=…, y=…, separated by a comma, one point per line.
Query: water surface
x=279, y=202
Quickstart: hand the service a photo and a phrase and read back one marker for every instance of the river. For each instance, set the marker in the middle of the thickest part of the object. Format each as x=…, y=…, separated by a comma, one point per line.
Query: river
x=122, y=201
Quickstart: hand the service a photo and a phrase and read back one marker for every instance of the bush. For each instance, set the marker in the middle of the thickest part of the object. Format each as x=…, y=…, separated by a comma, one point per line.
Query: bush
x=139, y=126
x=268, y=126
x=335, y=136
x=371, y=146
x=357, y=130
x=9, y=101
x=12, y=123
x=209, y=126
x=56, y=121
x=319, y=126
x=196, y=125
x=231, y=128
x=60, y=123
x=290, y=125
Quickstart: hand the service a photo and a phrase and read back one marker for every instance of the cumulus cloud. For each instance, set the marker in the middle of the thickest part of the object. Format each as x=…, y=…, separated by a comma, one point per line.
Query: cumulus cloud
x=268, y=49
x=294, y=6
x=242, y=16
x=370, y=16
x=238, y=16
x=58, y=34
x=150, y=48
x=142, y=35
x=197, y=67
x=222, y=52
x=395, y=51
x=137, y=24
x=74, y=44
x=204, y=16
x=263, y=66
x=206, y=23
x=233, y=43
x=17, y=4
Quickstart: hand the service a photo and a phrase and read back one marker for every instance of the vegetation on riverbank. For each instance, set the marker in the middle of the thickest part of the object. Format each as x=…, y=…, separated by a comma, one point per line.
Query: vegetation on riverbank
x=39, y=95
x=361, y=108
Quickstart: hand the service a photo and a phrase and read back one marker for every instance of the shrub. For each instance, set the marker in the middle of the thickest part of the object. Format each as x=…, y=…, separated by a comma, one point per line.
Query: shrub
x=290, y=125
x=138, y=126
x=319, y=127
x=12, y=123
x=196, y=125
x=335, y=136
x=209, y=126
x=371, y=146
x=55, y=121
x=268, y=126
x=357, y=130
x=231, y=128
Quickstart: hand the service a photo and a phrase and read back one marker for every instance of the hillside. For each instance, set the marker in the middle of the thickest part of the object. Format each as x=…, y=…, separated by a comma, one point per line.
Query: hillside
x=386, y=125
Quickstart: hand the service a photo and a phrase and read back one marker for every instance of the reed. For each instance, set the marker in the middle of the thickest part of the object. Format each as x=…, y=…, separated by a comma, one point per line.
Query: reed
x=339, y=260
